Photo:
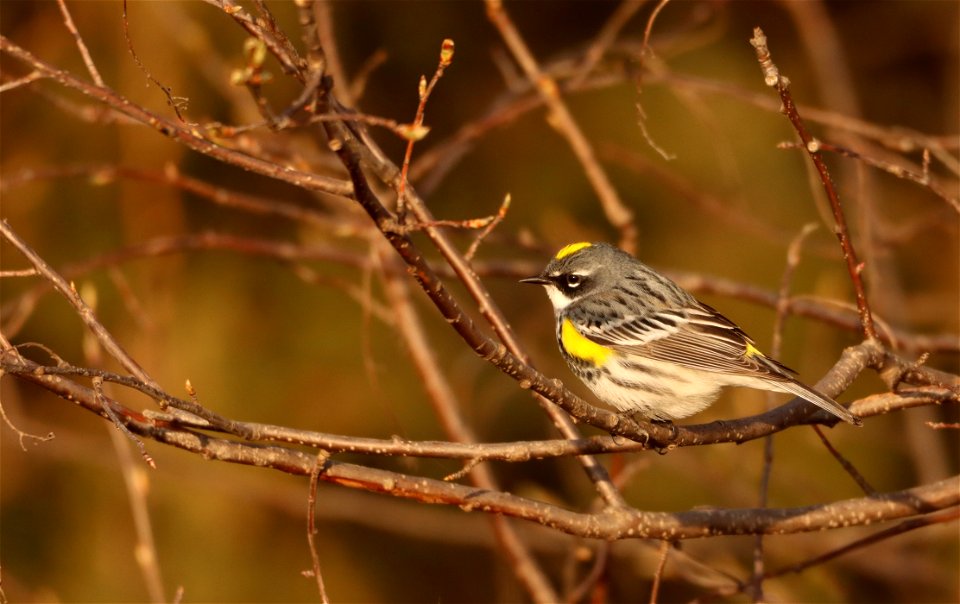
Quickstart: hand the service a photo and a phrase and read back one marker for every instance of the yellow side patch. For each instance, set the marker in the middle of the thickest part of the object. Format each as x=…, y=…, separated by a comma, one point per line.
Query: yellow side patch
x=569, y=249
x=582, y=348
x=752, y=351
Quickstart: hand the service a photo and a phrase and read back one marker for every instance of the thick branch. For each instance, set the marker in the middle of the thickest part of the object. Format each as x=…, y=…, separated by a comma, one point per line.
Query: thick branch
x=736, y=431
x=611, y=523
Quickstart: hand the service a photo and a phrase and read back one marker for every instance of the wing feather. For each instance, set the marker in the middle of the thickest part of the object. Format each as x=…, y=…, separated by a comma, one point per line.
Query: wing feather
x=697, y=337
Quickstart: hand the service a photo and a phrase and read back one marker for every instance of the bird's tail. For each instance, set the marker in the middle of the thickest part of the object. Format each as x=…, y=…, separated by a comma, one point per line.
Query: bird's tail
x=827, y=404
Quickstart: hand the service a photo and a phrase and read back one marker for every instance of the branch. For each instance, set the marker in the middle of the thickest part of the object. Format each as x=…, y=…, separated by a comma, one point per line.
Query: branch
x=814, y=308
x=184, y=134
x=448, y=410
x=610, y=523
x=504, y=356
x=773, y=78
x=731, y=431
x=560, y=118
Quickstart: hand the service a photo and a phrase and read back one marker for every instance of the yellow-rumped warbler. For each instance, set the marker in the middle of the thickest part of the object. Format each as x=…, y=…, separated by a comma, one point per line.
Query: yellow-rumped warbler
x=643, y=344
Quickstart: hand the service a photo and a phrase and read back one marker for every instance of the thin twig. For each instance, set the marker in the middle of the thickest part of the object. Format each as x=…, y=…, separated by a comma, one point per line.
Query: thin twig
x=601, y=557
x=501, y=214
x=33, y=76
x=21, y=435
x=782, y=306
x=81, y=46
x=188, y=136
x=773, y=78
x=845, y=463
x=175, y=102
x=281, y=48
x=326, y=39
x=645, y=49
x=253, y=77
x=83, y=310
x=604, y=39
x=112, y=416
x=939, y=517
x=644, y=55
x=944, y=425
x=318, y=468
x=658, y=573
x=108, y=342
x=417, y=129
x=922, y=178
x=25, y=272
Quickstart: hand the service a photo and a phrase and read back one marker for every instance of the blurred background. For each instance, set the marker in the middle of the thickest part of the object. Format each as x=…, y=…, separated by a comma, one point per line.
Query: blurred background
x=260, y=343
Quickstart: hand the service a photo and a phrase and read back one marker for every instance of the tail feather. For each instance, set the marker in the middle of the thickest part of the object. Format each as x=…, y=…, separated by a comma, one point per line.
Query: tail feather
x=825, y=403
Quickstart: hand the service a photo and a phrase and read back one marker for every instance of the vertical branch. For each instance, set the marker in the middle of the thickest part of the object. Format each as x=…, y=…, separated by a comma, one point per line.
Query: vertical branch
x=135, y=479
x=591, y=584
x=316, y=53
x=773, y=78
x=782, y=307
x=318, y=467
x=658, y=574
x=323, y=19
x=417, y=129
x=644, y=53
x=448, y=411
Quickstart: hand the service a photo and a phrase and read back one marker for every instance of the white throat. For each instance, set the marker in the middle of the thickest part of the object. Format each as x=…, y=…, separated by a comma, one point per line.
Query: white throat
x=558, y=298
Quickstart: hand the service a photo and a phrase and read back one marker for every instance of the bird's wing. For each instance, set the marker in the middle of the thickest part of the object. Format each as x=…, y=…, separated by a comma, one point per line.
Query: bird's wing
x=696, y=337
x=701, y=338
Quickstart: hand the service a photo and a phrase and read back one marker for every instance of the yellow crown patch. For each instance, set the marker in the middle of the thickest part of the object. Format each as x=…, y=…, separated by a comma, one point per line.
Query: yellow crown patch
x=569, y=249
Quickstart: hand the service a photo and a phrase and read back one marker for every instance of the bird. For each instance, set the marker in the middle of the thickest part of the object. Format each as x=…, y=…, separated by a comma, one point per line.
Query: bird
x=644, y=345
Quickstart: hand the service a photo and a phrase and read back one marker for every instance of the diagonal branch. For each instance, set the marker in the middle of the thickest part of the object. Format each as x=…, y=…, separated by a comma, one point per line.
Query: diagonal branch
x=186, y=135
x=560, y=118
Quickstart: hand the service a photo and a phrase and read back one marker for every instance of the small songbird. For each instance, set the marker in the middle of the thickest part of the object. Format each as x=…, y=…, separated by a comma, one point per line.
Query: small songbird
x=643, y=344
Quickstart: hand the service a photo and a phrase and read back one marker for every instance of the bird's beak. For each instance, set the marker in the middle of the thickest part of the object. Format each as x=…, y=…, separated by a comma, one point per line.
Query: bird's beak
x=538, y=280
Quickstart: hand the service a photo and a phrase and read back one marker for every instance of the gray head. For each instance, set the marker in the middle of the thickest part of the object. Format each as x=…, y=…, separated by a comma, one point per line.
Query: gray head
x=581, y=269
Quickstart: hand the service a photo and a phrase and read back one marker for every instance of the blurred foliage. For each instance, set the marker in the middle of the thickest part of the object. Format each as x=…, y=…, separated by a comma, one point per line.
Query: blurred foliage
x=260, y=344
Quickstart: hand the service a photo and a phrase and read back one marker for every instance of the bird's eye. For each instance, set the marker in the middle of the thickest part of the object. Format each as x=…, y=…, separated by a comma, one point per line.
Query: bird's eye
x=573, y=280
